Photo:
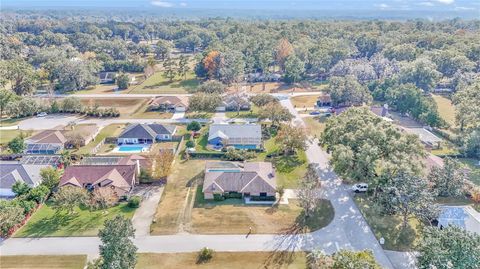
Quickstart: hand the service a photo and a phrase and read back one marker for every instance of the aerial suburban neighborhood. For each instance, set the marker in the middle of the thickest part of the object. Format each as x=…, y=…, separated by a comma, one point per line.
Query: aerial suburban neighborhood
x=240, y=134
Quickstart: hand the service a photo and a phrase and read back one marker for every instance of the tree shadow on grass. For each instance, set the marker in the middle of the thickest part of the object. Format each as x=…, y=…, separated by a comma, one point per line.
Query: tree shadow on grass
x=286, y=164
x=48, y=225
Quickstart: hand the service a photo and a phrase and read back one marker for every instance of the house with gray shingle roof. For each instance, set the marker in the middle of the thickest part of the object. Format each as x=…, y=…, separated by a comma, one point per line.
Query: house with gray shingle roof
x=146, y=133
x=249, y=179
x=240, y=136
x=12, y=172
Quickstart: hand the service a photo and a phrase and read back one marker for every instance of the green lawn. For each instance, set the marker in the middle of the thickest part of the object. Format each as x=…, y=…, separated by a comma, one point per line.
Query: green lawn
x=472, y=164
x=43, y=262
x=7, y=135
x=198, y=115
x=289, y=169
x=252, y=113
x=445, y=109
x=389, y=227
x=46, y=221
x=111, y=130
x=10, y=122
x=157, y=83
x=315, y=125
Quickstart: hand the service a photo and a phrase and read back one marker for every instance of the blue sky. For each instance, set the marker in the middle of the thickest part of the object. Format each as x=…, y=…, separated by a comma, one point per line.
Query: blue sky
x=436, y=5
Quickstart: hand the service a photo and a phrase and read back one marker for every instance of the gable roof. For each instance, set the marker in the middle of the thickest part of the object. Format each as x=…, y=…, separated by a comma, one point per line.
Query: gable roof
x=11, y=172
x=226, y=131
x=47, y=137
x=170, y=100
x=239, y=177
x=147, y=131
x=121, y=176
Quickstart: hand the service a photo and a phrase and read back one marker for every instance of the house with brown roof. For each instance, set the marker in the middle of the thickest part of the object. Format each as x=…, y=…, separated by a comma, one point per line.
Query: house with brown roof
x=252, y=180
x=169, y=103
x=120, y=178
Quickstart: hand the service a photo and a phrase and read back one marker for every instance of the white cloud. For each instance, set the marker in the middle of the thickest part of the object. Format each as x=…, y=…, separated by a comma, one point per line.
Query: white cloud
x=382, y=6
x=161, y=3
x=426, y=4
x=183, y=4
x=464, y=8
x=446, y=2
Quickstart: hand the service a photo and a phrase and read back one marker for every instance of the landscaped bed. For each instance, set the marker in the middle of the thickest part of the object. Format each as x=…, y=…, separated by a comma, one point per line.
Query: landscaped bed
x=233, y=216
x=220, y=260
x=389, y=227
x=47, y=221
x=43, y=262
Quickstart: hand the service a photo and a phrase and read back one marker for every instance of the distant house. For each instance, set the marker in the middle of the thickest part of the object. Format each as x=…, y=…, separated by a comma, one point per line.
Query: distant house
x=120, y=178
x=430, y=140
x=248, y=180
x=12, y=172
x=235, y=101
x=240, y=136
x=146, y=133
x=107, y=77
x=324, y=100
x=46, y=142
x=169, y=103
x=461, y=216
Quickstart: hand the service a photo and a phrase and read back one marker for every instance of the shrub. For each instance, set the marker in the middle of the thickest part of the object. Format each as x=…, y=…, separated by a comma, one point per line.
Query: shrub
x=134, y=201
x=102, y=198
x=190, y=144
x=218, y=197
x=194, y=126
x=205, y=255
x=233, y=154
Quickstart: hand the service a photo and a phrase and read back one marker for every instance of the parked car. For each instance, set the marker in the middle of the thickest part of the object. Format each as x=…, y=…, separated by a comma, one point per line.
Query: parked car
x=42, y=114
x=315, y=113
x=360, y=187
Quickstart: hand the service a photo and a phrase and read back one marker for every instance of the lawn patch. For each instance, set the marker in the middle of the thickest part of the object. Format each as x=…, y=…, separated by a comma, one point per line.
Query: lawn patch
x=7, y=135
x=47, y=221
x=445, y=109
x=389, y=226
x=157, y=83
x=43, y=261
x=231, y=260
x=315, y=125
x=252, y=113
x=304, y=101
x=111, y=130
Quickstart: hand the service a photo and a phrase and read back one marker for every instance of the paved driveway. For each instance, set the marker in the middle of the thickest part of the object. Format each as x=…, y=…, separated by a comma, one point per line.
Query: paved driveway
x=48, y=122
x=178, y=115
x=146, y=212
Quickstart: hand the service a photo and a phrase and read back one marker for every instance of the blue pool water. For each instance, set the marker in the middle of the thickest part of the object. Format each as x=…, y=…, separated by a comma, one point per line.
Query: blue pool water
x=223, y=170
x=130, y=148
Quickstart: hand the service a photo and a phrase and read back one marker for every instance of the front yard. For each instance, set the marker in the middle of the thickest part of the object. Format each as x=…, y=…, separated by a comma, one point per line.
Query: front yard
x=157, y=83
x=389, y=227
x=220, y=260
x=43, y=261
x=304, y=101
x=252, y=113
x=47, y=221
x=233, y=216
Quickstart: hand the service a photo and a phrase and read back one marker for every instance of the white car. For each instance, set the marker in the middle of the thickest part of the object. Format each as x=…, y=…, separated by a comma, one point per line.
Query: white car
x=42, y=114
x=360, y=187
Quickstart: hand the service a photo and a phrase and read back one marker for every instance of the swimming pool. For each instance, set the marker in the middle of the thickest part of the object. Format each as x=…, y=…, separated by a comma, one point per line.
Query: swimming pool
x=239, y=146
x=132, y=148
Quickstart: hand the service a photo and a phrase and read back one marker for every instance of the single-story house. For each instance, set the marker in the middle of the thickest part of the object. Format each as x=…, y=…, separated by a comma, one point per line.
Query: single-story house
x=169, y=103
x=46, y=142
x=120, y=178
x=12, y=172
x=426, y=137
x=80, y=135
x=240, y=136
x=247, y=179
x=107, y=77
x=461, y=216
x=146, y=133
x=231, y=102
x=324, y=100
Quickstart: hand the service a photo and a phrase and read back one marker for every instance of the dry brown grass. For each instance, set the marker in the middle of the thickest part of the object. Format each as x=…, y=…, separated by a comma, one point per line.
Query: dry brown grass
x=125, y=106
x=172, y=205
x=43, y=262
x=231, y=260
x=315, y=125
x=304, y=101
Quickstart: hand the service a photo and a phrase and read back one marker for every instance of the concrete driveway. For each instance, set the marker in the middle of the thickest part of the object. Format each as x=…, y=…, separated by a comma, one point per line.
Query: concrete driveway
x=143, y=217
x=178, y=115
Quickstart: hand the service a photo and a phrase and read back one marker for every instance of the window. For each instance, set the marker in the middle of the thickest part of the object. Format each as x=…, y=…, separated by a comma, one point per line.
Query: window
x=263, y=194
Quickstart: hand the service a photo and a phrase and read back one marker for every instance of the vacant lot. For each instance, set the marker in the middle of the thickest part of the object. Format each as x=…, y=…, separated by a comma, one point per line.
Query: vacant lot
x=390, y=227
x=7, y=135
x=143, y=112
x=170, y=210
x=111, y=130
x=232, y=216
x=198, y=115
x=47, y=221
x=445, y=109
x=157, y=83
x=220, y=260
x=125, y=106
x=280, y=87
x=304, y=101
x=43, y=262
x=252, y=113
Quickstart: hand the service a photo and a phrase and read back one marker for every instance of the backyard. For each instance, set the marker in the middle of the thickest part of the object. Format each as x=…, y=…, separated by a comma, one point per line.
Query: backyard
x=43, y=262
x=111, y=130
x=445, y=109
x=233, y=216
x=389, y=227
x=7, y=135
x=231, y=260
x=47, y=221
